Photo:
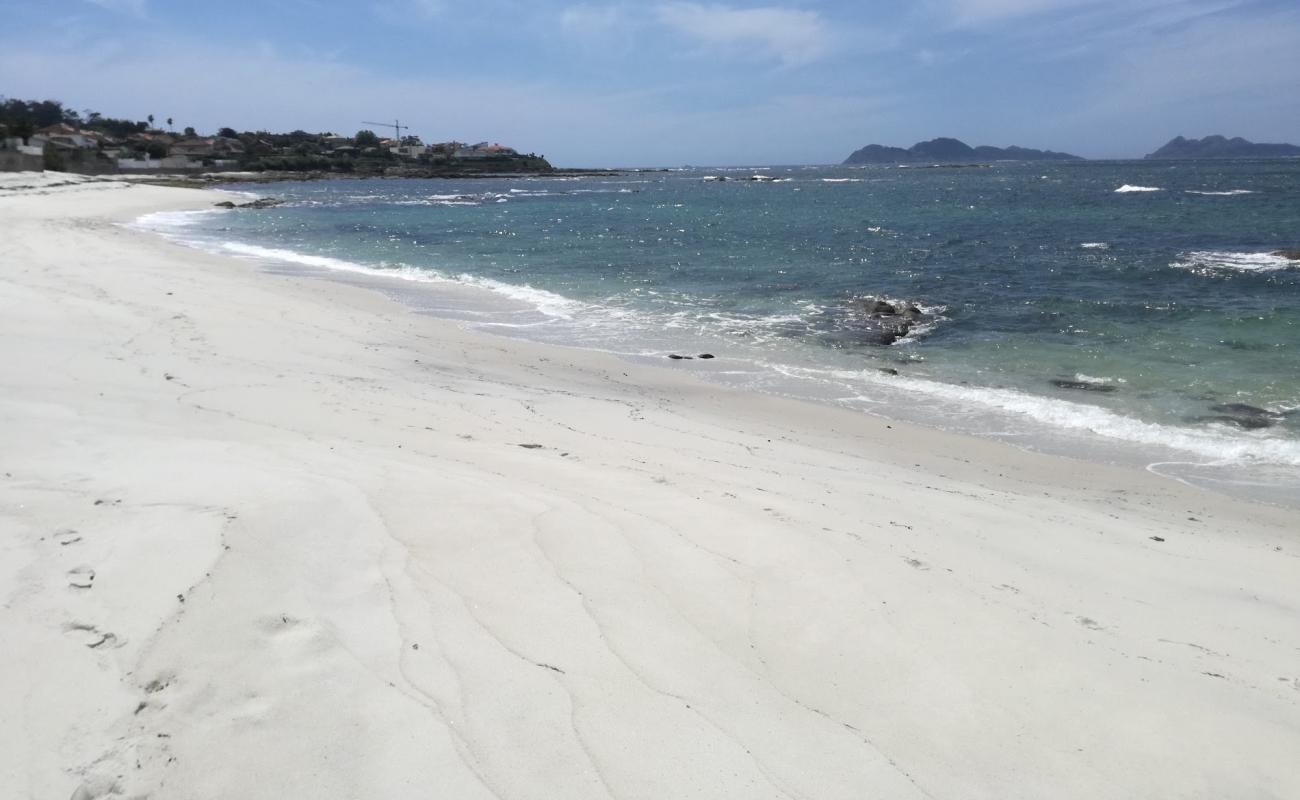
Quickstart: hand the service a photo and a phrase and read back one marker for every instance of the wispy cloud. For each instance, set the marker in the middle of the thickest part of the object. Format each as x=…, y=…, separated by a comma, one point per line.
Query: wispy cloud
x=593, y=20
x=406, y=11
x=791, y=36
x=135, y=8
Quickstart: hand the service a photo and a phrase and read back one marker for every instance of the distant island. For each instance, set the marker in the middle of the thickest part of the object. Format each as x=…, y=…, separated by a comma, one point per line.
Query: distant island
x=45, y=134
x=951, y=151
x=1222, y=147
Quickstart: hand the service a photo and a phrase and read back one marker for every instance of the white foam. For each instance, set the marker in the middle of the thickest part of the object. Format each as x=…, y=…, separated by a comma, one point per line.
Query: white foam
x=1126, y=188
x=1228, y=193
x=1095, y=246
x=548, y=303
x=1079, y=376
x=171, y=221
x=1220, y=260
x=843, y=180
x=1215, y=443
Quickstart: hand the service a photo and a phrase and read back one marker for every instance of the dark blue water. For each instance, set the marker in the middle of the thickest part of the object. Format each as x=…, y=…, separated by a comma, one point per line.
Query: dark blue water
x=1163, y=299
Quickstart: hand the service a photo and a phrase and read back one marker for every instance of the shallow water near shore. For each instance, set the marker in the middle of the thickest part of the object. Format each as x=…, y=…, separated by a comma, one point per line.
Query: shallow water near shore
x=1133, y=312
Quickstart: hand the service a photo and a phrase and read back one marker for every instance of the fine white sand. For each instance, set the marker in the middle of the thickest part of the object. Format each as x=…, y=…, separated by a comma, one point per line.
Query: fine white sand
x=277, y=537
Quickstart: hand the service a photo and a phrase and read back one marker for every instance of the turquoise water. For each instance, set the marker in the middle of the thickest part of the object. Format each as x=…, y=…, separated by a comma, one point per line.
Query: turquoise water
x=1161, y=298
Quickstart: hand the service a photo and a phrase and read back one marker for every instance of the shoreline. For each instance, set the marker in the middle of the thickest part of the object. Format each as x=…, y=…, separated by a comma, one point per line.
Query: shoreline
x=1229, y=462
x=353, y=549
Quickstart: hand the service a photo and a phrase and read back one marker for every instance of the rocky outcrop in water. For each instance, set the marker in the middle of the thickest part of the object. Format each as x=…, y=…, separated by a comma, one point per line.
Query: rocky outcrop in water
x=1083, y=386
x=883, y=321
x=945, y=150
x=261, y=202
x=1222, y=147
x=1244, y=416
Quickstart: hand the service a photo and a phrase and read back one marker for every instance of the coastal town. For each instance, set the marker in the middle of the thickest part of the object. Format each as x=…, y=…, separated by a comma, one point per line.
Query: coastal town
x=38, y=135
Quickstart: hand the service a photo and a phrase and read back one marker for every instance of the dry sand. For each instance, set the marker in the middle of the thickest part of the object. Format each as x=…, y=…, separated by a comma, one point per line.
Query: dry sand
x=265, y=536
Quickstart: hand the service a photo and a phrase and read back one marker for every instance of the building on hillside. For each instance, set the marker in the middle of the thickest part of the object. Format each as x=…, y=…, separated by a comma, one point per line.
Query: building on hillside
x=409, y=150
x=484, y=150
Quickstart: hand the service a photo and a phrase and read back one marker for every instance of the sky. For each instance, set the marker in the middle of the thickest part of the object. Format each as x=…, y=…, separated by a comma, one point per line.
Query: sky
x=668, y=82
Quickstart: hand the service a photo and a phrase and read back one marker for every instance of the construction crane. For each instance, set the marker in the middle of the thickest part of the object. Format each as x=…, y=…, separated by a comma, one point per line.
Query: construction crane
x=396, y=125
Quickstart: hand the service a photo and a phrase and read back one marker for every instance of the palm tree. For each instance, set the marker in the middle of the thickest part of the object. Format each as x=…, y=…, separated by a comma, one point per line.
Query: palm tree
x=150, y=118
x=169, y=123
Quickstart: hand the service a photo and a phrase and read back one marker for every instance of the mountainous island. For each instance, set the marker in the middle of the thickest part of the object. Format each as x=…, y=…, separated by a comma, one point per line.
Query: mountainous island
x=951, y=151
x=1222, y=147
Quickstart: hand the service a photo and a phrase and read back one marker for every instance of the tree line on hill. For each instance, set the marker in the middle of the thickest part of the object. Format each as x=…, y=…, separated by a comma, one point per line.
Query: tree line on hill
x=94, y=142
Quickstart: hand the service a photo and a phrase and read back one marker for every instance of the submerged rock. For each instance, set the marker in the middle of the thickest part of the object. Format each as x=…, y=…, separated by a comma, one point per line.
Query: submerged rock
x=262, y=202
x=1290, y=255
x=1244, y=410
x=1243, y=415
x=1086, y=386
x=1246, y=423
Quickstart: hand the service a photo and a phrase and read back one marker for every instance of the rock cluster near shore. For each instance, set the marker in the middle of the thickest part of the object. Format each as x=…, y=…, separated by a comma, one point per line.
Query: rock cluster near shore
x=887, y=320
x=261, y=202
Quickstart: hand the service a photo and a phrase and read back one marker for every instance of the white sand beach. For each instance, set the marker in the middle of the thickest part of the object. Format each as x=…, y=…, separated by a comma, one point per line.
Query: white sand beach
x=269, y=536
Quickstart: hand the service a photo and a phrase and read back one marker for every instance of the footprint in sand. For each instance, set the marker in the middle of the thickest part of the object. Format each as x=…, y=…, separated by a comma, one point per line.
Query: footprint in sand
x=67, y=536
x=96, y=789
x=93, y=637
x=81, y=578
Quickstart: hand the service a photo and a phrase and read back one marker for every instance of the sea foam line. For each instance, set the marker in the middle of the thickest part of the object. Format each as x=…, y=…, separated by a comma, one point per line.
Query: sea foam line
x=1080, y=417
x=1217, y=260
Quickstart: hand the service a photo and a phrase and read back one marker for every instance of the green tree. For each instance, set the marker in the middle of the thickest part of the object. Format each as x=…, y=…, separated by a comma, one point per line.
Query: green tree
x=366, y=139
x=227, y=133
x=23, y=129
x=190, y=132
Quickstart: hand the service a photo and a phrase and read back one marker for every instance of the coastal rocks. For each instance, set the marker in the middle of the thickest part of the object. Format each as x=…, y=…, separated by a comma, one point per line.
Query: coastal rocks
x=1085, y=386
x=261, y=202
x=1245, y=423
x=680, y=357
x=1289, y=255
x=1243, y=415
x=883, y=321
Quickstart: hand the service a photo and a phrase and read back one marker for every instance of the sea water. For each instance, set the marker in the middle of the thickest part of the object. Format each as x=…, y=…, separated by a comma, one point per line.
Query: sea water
x=1113, y=310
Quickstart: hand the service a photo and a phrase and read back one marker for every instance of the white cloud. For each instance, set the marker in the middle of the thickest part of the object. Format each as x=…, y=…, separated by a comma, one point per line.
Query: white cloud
x=406, y=11
x=135, y=8
x=791, y=36
x=253, y=86
x=1093, y=13
x=592, y=20
x=1217, y=74
x=975, y=13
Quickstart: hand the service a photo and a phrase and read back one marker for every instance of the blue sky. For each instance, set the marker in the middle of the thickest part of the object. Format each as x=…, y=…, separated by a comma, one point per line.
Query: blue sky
x=595, y=83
